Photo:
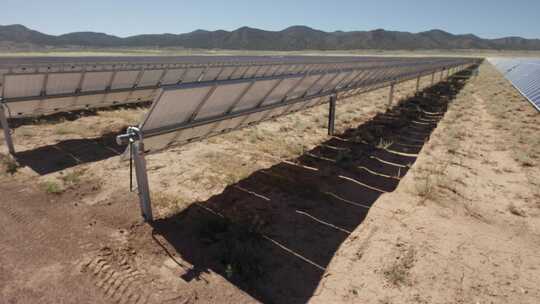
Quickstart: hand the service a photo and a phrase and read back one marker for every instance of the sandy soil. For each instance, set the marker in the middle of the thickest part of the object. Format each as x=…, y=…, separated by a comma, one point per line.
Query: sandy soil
x=281, y=213
x=463, y=226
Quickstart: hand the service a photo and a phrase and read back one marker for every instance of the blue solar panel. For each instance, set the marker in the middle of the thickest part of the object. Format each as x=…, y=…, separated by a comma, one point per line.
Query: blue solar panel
x=524, y=74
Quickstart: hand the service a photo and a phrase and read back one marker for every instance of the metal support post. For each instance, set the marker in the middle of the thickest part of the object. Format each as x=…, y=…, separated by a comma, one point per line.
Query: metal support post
x=142, y=180
x=391, y=95
x=442, y=75
x=332, y=114
x=448, y=73
x=7, y=131
x=418, y=84
x=433, y=78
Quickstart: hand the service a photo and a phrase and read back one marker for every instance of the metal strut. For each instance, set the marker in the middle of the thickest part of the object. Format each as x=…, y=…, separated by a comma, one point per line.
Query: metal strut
x=332, y=114
x=391, y=95
x=134, y=137
x=5, y=127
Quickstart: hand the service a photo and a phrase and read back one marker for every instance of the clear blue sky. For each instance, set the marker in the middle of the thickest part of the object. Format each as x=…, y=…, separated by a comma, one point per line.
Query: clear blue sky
x=486, y=18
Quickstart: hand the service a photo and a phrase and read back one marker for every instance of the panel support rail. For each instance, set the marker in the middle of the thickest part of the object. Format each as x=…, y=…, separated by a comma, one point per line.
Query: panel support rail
x=134, y=138
x=5, y=127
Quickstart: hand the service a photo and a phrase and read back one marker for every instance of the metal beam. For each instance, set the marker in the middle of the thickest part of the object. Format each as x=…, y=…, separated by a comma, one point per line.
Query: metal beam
x=391, y=95
x=332, y=114
x=7, y=130
x=143, y=188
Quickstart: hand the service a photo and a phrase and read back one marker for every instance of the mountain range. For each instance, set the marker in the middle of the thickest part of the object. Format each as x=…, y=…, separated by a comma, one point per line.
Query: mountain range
x=290, y=39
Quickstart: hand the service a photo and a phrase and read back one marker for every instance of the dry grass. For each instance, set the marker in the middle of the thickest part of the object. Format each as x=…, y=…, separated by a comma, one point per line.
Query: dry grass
x=53, y=187
x=72, y=178
x=167, y=204
x=75, y=128
x=8, y=164
x=124, y=116
x=398, y=274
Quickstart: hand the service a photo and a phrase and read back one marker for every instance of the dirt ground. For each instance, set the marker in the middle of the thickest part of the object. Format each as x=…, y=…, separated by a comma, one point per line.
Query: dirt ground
x=432, y=201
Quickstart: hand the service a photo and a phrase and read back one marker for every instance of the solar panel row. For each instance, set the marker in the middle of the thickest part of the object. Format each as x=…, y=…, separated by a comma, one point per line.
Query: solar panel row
x=187, y=112
x=45, y=88
x=193, y=98
x=524, y=74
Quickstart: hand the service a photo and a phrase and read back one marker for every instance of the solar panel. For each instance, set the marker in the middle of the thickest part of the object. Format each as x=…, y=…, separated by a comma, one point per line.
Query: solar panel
x=524, y=74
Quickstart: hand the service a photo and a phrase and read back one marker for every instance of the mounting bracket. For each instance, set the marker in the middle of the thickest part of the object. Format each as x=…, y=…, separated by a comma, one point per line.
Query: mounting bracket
x=134, y=138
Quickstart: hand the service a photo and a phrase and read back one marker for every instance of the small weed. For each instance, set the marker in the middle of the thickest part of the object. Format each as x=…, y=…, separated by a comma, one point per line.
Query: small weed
x=168, y=203
x=524, y=159
x=72, y=178
x=398, y=274
x=25, y=131
x=53, y=187
x=62, y=130
x=237, y=245
x=10, y=165
x=343, y=157
x=296, y=148
x=384, y=144
x=255, y=135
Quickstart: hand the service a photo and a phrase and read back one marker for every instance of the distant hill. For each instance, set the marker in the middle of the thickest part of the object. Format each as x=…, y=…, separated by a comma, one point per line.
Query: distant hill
x=290, y=39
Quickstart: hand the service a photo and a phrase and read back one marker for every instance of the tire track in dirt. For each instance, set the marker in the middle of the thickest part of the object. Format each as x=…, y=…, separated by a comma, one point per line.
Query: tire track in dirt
x=23, y=221
x=119, y=281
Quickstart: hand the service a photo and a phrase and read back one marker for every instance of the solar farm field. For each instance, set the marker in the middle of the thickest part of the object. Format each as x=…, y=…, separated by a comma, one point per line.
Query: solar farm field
x=427, y=192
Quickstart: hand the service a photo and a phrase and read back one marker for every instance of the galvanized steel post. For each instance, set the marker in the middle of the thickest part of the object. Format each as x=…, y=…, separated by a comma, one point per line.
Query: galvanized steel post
x=433, y=78
x=332, y=114
x=7, y=131
x=142, y=180
x=418, y=83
